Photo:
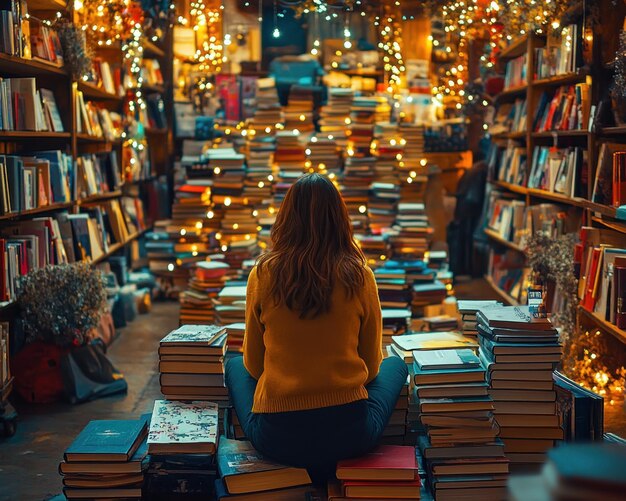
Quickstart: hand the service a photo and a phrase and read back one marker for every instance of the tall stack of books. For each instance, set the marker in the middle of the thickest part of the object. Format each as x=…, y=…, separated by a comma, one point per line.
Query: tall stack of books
x=299, y=111
x=230, y=305
x=335, y=115
x=404, y=346
x=427, y=293
x=365, y=112
x=388, y=147
x=245, y=474
x=290, y=160
x=388, y=472
x=357, y=177
x=412, y=232
x=394, y=290
x=182, y=443
x=229, y=172
x=374, y=247
x=236, y=334
x=382, y=206
x=397, y=431
x=462, y=454
x=268, y=111
x=239, y=251
x=413, y=135
x=468, y=309
x=521, y=352
x=191, y=363
x=322, y=154
x=196, y=302
x=106, y=460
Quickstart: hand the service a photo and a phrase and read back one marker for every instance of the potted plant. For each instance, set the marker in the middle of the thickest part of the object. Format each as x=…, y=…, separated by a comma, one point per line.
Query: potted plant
x=60, y=307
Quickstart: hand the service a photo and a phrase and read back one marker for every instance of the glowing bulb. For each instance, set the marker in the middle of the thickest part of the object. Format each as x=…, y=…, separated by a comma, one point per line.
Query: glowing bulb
x=217, y=170
x=199, y=225
x=347, y=44
x=227, y=201
x=362, y=209
x=210, y=214
x=347, y=121
x=218, y=236
x=302, y=118
x=307, y=151
x=183, y=232
x=170, y=267
x=276, y=33
x=235, y=226
x=224, y=248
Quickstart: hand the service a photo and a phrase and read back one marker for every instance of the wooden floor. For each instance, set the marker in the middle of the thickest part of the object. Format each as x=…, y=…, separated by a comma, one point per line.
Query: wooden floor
x=29, y=460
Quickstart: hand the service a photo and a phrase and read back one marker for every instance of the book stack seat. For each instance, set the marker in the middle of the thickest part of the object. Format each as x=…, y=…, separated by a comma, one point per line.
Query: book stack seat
x=236, y=332
x=191, y=363
x=520, y=353
x=246, y=475
x=396, y=431
x=459, y=444
x=388, y=472
x=395, y=323
x=182, y=443
x=196, y=302
x=394, y=289
x=335, y=115
x=404, y=346
x=107, y=460
x=468, y=309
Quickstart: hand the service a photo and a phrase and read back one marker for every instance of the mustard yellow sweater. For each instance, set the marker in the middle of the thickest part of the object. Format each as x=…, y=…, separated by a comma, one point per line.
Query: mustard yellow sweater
x=311, y=363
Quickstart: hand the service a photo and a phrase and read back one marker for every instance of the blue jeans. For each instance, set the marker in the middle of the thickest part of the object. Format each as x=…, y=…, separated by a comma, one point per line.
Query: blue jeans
x=317, y=438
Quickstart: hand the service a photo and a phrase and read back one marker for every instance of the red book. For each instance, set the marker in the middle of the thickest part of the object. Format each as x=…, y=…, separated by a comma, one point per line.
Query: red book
x=382, y=490
x=619, y=178
x=4, y=296
x=589, y=300
x=387, y=462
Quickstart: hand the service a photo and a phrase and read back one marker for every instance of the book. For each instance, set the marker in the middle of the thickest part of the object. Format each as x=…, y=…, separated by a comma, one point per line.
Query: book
x=243, y=470
x=513, y=317
x=445, y=359
x=183, y=428
x=386, y=462
x=107, y=440
x=408, y=489
x=289, y=494
x=192, y=335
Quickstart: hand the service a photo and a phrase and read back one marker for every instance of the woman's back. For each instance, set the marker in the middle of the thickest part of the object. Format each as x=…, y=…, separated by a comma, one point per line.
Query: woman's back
x=306, y=363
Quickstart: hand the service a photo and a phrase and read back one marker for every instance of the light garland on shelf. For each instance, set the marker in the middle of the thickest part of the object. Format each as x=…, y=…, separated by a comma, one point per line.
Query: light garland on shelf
x=390, y=32
x=206, y=20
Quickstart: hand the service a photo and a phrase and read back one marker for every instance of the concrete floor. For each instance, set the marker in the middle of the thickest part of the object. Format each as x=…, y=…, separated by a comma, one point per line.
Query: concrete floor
x=29, y=460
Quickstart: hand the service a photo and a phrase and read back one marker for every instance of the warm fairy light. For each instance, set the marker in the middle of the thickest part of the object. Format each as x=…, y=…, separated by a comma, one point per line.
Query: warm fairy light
x=199, y=225
x=183, y=232
x=170, y=267
x=362, y=209
x=227, y=201
x=210, y=214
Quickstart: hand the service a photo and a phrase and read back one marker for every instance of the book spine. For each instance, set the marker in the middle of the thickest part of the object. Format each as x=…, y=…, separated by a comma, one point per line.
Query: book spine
x=620, y=284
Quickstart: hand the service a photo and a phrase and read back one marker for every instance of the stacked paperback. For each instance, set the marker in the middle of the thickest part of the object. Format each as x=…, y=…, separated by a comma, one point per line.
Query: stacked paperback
x=468, y=310
x=196, y=302
x=462, y=455
x=106, y=460
x=520, y=353
x=191, y=363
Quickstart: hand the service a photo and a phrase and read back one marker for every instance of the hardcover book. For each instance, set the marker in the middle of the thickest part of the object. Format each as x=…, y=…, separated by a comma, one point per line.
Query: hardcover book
x=445, y=359
x=107, y=440
x=183, y=427
x=244, y=470
x=189, y=335
x=386, y=462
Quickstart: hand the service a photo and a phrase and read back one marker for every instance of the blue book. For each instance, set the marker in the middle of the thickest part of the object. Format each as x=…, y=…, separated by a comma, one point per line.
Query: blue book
x=107, y=440
x=581, y=411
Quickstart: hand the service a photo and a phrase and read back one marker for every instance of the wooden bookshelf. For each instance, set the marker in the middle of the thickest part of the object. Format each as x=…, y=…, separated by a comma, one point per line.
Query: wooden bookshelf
x=13, y=66
x=493, y=235
x=38, y=211
x=602, y=325
x=557, y=197
x=116, y=247
x=512, y=92
x=551, y=134
x=515, y=49
x=514, y=188
x=92, y=92
x=613, y=131
x=557, y=81
x=510, y=135
x=101, y=197
x=504, y=296
x=28, y=135
x=153, y=89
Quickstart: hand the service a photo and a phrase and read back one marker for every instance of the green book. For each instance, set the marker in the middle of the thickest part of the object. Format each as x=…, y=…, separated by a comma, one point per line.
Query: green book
x=446, y=359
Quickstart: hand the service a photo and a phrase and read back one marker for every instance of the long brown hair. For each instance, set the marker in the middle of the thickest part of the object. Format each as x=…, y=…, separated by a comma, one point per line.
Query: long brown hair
x=312, y=247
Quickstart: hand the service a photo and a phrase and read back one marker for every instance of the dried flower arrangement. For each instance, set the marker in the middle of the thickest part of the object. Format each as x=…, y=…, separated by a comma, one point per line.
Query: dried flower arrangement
x=76, y=53
x=61, y=304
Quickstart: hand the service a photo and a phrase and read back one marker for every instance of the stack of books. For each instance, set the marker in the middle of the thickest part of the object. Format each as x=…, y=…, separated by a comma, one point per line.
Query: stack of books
x=239, y=251
x=388, y=147
x=196, y=305
x=245, y=474
x=395, y=323
x=412, y=232
x=236, y=334
x=299, y=111
x=106, y=460
x=268, y=111
x=37, y=110
x=427, y=293
x=394, y=290
x=397, y=430
x=191, y=363
x=382, y=205
x=459, y=441
x=323, y=154
x=229, y=172
x=358, y=175
x=575, y=472
x=375, y=247
x=413, y=135
x=230, y=305
x=290, y=160
x=388, y=472
x=335, y=115
x=468, y=309
x=182, y=443
x=365, y=112
x=520, y=353
x=404, y=346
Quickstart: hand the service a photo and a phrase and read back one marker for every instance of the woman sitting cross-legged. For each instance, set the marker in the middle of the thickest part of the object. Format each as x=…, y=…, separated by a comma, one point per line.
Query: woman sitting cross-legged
x=312, y=386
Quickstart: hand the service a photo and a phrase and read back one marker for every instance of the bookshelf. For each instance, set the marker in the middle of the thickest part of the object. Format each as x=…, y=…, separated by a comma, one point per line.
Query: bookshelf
x=75, y=143
x=577, y=202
